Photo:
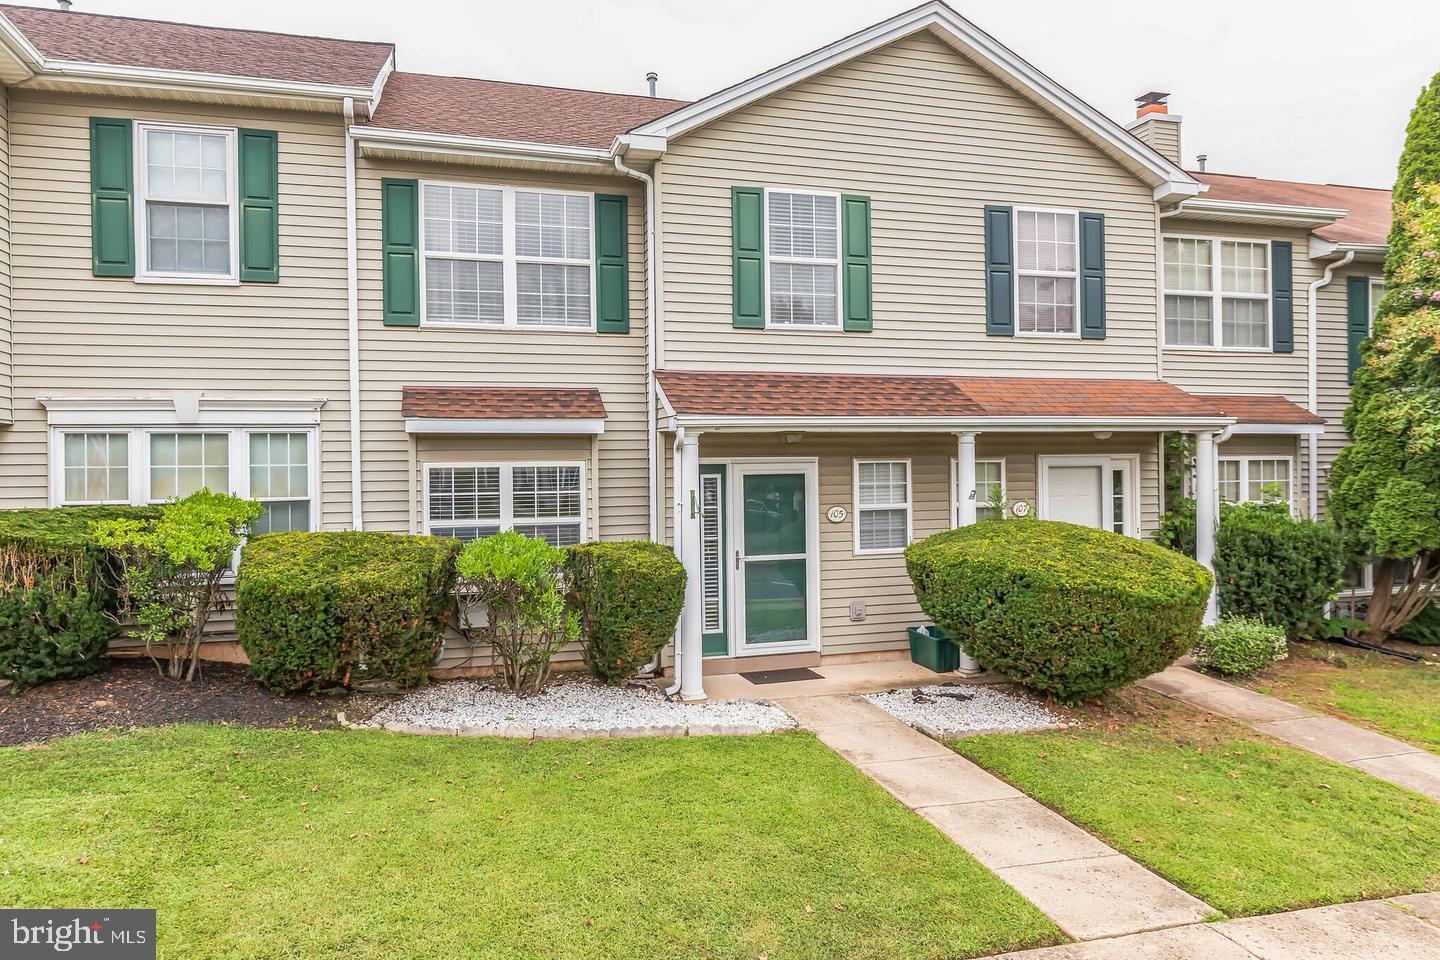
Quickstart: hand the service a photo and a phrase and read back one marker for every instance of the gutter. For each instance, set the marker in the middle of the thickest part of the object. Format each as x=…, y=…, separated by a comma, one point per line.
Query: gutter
x=1312, y=479
x=651, y=450
x=352, y=319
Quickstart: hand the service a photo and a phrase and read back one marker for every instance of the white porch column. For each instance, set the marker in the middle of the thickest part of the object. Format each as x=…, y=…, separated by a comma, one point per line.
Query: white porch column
x=1207, y=509
x=965, y=477
x=692, y=686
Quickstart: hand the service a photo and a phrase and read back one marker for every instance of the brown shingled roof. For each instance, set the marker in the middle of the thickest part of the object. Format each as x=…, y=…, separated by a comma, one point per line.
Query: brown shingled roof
x=502, y=403
x=1367, y=222
x=1263, y=409
x=498, y=110
x=163, y=45
x=759, y=394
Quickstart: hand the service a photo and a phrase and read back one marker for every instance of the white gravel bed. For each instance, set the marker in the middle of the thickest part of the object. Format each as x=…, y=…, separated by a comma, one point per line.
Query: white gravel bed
x=961, y=709
x=571, y=708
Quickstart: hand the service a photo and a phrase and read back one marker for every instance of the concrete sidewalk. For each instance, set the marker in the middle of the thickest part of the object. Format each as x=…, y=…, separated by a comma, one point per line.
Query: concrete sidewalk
x=1087, y=888
x=1402, y=928
x=1376, y=754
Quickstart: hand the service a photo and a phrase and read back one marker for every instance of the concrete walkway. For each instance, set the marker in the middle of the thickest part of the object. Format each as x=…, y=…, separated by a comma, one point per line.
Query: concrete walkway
x=1376, y=754
x=1087, y=888
x=1403, y=928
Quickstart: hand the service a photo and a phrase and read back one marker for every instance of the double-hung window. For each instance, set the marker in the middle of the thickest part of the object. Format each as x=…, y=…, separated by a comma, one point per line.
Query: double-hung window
x=882, y=505
x=1217, y=293
x=989, y=489
x=1047, y=257
x=502, y=257
x=187, y=226
x=143, y=465
x=802, y=233
x=471, y=501
x=1255, y=479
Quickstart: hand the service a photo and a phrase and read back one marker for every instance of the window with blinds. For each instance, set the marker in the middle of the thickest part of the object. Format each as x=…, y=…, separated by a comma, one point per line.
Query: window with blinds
x=471, y=501
x=882, y=505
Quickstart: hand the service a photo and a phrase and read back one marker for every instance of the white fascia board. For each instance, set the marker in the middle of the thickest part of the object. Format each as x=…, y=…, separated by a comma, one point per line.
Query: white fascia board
x=444, y=143
x=182, y=409
x=1322, y=249
x=1164, y=117
x=1278, y=214
x=110, y=74
x=377, y=90
x=951, y=424
x=18, y=46
x=977, y=44
x=1278, y=429
x=548, y=426
x=665, y=404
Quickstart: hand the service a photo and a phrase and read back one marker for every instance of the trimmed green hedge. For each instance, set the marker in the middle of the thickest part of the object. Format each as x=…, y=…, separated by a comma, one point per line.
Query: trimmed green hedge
x=1062, y=609
x=322, y=609
x=1240, y=645
x=1275, y=567
x=629, y=594
x=58, y=605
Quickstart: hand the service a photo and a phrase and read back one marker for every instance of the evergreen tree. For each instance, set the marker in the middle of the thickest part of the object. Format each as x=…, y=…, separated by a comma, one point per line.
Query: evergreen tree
x=1385, y=486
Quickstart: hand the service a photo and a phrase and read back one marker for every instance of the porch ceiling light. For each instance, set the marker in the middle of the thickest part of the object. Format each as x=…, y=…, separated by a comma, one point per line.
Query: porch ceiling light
x=791, y=437
x=1103, y=434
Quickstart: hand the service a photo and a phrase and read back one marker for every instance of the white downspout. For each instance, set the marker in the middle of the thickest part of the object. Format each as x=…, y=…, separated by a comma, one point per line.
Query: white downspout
x=678, y=483
x=352, y=317
x=651, y=448
x=1312, y=442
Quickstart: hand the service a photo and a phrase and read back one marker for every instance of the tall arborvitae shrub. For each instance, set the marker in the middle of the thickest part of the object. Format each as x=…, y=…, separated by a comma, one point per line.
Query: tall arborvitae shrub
x=1385, y=486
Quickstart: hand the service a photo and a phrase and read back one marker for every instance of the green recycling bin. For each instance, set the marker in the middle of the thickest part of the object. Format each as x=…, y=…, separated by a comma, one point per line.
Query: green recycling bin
x=933, y=649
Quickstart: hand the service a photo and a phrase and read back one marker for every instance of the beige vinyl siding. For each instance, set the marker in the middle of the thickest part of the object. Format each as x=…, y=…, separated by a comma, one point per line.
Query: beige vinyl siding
x=1333, y=363
x=7, y=398
x=80, y=335
x=931, y=139
x=879, y=580
x=394, y=357
x=1163, y=136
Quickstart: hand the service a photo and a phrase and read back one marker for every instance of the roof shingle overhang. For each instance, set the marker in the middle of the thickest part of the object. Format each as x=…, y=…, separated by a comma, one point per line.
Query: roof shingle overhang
x=503, y=410
x=1267, y=414
x=759, y=401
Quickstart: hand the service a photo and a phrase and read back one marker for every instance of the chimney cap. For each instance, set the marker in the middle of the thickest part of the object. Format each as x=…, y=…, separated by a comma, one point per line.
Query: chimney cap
x=1154, y=96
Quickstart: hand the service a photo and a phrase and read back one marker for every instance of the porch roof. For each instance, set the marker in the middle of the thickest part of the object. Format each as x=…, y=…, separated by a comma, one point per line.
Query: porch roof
x=564, y=410
x=1266, y=414
x=719, y=399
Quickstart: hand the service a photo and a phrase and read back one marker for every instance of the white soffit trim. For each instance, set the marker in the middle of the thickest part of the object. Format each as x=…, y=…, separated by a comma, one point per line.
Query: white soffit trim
x=1272, y=214
x=380, y=139
x=1322, y=249
x=1169, y=181
x=547, y=426
x=181, y=409
x=1278, y=429
x=779, y=424
x=21, y=58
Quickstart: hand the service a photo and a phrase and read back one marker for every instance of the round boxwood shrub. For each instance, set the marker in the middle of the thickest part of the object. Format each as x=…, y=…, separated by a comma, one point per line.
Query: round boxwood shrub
x=59, y=610
x=629, y=594
x=1064, y=610
x=1238, y=645
x=1275, y=567
x=318, y=610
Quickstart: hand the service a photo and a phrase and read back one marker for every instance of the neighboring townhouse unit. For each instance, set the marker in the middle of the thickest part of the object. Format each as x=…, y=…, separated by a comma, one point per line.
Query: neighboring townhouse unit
x=889, y=287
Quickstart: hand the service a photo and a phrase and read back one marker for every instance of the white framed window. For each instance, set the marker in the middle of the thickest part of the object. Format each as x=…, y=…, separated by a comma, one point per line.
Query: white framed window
x=494, y=256
x=474, y=500
x=989, y=490
x=1047, y=264
x=1377, y=290
x=186, y=224
x=183, y=463
x=96, y=468
x=882, y=505
x=280, y=479
x=1256, y=479
x=802, y=246
x=1217, y=293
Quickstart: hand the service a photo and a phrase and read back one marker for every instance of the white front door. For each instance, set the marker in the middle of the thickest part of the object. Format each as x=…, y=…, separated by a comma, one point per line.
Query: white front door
x=1094, y=492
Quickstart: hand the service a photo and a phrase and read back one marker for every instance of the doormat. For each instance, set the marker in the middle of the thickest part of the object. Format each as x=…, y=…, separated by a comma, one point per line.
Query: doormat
x=782, y=676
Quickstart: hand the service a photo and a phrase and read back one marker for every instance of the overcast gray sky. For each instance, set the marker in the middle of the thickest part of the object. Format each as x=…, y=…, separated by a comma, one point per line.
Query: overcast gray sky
x=1318, y=90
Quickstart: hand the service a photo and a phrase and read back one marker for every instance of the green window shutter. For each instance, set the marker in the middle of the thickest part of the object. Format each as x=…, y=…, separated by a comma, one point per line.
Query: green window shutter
x=1282, y=297
x=1357, y=313
x=400, y=246
x=999, y=271
x=612, y=264
x=1092, y=276
x=112, y=202
x=259, y=179
x=855, y=224
x=747, y=247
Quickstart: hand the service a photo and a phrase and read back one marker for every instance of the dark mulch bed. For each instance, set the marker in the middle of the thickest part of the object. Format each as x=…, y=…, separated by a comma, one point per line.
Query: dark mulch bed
x=132, y=694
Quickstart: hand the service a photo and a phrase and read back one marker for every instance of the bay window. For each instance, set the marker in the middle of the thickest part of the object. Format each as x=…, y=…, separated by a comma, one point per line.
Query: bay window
x=1217, y=293
x=475, y=500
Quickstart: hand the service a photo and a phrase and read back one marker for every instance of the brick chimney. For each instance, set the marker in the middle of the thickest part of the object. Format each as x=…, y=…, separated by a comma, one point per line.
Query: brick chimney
x=1155, y=125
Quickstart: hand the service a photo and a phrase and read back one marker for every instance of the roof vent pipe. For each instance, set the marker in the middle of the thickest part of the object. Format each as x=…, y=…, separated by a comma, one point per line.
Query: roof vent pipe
x=1200, y=160
x=64, y=5
x=652, y=78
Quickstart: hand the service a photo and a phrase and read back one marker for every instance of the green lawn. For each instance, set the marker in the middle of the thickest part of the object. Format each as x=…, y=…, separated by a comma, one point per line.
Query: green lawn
x=1246, y=824
x=291, y=844
x=1387, y=694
